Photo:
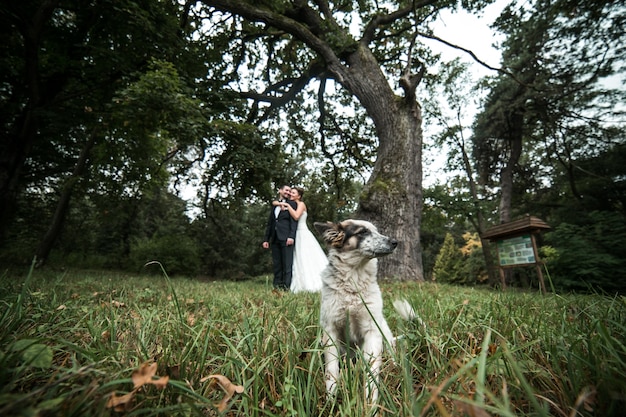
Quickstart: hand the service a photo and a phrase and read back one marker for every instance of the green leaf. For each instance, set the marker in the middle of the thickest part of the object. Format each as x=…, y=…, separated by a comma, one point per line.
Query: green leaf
x=34, y=354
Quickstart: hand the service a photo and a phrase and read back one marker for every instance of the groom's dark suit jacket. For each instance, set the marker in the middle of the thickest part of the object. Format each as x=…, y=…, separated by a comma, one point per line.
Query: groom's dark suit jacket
x=282, y=227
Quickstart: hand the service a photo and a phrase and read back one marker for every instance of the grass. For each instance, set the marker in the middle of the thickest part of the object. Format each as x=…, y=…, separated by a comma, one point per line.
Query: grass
x=69, y=340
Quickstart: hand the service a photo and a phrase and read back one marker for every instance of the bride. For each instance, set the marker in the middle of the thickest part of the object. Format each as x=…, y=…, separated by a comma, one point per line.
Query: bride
x=308, y=258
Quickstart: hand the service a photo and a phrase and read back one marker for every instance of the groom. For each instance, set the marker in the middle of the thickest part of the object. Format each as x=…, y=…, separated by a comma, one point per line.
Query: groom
x=280, y=235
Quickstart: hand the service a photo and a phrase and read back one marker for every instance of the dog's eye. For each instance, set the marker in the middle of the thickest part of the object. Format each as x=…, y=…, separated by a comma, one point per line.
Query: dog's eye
x=362, y=232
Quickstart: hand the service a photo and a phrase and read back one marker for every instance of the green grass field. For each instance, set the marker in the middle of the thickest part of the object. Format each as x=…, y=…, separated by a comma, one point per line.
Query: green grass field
x=71, y=342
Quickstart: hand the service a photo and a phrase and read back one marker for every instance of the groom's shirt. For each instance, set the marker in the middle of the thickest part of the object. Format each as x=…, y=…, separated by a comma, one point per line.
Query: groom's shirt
x=278, y=209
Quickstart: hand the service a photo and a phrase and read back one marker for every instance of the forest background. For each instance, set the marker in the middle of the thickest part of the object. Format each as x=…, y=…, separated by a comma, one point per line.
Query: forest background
x=111, y=109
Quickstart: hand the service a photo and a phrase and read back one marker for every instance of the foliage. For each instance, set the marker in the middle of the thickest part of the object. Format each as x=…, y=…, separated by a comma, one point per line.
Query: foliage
x=127, y=86
x=556, y=89
x=590, y=253
x=447, y=261
x=460, y=265
x=473, y=267
x=179, y=254
x=152, y=120
x=62, y=65
x=229, y=241
x=556, y=103
x=72, y=341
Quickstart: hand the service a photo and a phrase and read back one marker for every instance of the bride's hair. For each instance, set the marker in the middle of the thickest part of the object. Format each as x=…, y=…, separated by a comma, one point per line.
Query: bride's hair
x=300, y=191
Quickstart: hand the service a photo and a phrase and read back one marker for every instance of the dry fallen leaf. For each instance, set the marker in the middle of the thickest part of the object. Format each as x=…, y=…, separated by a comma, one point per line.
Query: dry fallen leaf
x=120, y=403
x=144, y=375
x=470, y=409
x=191, y=319
x=61, y=307
x=228, y=387
x=587, y=398
x=140, y=377
x=105, y=335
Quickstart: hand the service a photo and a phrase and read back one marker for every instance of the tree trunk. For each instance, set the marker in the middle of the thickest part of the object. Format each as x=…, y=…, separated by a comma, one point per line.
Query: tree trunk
x=21, y=136
x=506, y=179
x=506, y=175
x=56, y=225
x=479, y=219
x=14, y=153
x=392, y=197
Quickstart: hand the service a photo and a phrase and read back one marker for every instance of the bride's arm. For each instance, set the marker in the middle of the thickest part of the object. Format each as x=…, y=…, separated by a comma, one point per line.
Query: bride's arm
x=297, y=212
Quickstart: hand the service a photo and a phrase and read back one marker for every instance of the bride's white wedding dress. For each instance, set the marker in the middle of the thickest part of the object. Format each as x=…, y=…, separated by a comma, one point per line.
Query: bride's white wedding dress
x=309, y=260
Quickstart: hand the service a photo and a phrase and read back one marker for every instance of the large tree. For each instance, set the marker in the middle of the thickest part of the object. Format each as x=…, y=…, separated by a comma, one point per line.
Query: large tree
x=555, y=100
x=63, y=61
x=551, y=110
x=101, y=101
x=369, y=49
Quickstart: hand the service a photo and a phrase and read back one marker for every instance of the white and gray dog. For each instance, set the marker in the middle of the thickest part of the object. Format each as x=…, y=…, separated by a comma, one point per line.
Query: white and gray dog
x=351, y=312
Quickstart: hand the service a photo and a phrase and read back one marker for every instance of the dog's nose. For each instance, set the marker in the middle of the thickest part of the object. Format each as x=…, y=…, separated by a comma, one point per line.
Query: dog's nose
x=394, y=243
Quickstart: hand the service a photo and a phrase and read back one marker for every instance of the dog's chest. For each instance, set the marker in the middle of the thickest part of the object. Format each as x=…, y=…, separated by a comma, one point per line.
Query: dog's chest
x=349, y=311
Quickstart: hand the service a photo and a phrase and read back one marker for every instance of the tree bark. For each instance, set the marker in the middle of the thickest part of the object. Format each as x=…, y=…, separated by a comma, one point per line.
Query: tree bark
x=478, y=219
x=392, y=197
x=506, y=178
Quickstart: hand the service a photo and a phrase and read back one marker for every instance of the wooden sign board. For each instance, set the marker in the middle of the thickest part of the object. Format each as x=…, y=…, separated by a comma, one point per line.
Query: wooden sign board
x=517, y=246
x=516, y=251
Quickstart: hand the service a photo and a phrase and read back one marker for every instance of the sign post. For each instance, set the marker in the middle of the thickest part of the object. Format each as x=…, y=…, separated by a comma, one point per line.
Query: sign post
x=517, y=245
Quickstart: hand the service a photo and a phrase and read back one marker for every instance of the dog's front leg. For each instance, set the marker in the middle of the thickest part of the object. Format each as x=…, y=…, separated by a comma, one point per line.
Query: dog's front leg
x=331, y=361
x=373, y=354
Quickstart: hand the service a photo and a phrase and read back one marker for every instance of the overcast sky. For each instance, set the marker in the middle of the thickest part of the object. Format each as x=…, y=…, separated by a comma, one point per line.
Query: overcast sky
x=473, y=33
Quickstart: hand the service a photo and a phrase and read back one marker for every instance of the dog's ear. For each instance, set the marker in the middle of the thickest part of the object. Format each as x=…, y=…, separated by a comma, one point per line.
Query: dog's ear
x=322, y=227
x=332, y=233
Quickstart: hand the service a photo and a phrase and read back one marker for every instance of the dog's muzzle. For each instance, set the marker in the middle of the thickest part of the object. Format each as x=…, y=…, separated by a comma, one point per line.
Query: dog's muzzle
x=387, y=249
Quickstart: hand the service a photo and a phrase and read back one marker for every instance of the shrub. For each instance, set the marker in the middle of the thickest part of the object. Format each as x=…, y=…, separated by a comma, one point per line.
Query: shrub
x=177, y=253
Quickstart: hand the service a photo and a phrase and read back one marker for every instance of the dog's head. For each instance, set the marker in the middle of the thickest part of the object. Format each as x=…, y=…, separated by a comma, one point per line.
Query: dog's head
x=356, y=235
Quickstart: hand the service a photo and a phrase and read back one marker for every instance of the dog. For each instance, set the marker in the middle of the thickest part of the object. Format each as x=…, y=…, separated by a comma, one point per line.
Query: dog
x=351, y=311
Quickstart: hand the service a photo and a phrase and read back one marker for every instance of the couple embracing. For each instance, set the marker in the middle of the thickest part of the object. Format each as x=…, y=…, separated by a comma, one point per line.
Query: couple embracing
x=297, y=256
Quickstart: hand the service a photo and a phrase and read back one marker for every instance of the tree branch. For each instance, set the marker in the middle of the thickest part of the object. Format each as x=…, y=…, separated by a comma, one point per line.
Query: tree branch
x=408, y=81
x=273, y=96
x=296, y=28
x=475, y=58
x=381, y=20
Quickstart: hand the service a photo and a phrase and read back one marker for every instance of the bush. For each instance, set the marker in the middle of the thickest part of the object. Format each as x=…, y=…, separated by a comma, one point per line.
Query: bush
x=447, y=262
x=178, y=254
x=465, y=265
x=590, y=254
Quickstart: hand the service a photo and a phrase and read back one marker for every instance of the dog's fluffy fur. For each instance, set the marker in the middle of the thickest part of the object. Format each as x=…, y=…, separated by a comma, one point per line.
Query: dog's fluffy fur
x=352, y=306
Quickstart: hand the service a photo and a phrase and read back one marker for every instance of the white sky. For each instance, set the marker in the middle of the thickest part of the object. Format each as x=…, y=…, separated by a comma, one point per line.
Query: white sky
x=472, y=33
